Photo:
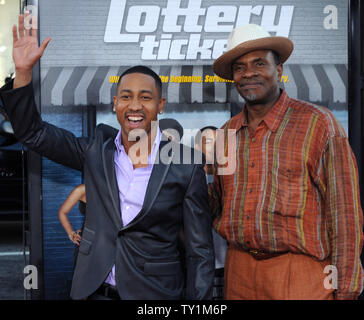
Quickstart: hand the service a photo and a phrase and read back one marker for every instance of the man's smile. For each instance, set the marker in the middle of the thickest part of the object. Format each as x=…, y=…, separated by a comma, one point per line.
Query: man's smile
x=134, y=120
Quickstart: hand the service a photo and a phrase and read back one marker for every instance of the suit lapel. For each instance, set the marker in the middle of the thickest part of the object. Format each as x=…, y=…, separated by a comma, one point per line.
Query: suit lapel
x=108, y=150
x=155, y=183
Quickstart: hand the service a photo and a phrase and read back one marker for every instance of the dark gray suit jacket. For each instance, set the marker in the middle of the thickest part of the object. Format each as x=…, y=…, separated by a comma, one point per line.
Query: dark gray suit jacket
x=145, y=251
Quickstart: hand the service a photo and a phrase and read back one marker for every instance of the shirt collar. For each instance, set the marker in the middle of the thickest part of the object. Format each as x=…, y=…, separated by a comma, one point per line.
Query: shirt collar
x=151, y=158
x=274, y=116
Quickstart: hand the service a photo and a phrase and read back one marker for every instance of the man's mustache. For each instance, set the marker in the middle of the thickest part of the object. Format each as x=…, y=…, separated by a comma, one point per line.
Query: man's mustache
x=251, y=82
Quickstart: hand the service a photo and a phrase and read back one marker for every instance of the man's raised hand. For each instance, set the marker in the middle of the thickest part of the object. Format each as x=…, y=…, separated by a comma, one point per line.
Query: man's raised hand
x=26, y=51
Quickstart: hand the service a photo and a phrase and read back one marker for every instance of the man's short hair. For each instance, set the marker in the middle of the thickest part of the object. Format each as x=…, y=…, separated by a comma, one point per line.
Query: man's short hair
x=198, y=136
x=147, y=71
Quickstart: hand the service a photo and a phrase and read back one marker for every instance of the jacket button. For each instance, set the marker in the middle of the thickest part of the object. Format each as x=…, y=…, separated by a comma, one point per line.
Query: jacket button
x=121, y=233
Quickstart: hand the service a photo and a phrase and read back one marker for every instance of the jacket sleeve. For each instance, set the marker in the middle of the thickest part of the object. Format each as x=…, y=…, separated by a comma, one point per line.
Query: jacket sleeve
x=200, y=259
x=52, y=142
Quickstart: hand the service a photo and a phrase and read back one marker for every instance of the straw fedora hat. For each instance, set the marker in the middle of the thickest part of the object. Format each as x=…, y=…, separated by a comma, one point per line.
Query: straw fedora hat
x=249, y=38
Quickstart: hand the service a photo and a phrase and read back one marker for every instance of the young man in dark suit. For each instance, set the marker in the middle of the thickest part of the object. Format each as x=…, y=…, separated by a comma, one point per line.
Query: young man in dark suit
x=139, y=191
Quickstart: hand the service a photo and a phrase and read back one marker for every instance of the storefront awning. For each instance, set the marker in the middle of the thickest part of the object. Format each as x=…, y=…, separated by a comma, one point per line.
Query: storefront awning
x=324, y=84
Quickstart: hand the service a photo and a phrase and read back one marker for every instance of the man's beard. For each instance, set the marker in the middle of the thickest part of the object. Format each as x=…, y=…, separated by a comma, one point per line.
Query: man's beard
x=250, y=97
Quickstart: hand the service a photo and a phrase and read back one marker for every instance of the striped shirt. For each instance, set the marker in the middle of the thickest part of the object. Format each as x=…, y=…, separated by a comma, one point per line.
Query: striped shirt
x=295, y=188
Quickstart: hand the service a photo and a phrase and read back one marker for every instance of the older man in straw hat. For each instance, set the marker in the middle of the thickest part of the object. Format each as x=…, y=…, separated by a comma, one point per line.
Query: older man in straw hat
x=291, y=211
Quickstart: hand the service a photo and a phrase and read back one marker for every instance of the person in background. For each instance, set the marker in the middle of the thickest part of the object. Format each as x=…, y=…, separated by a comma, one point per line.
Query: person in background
x=205, y=140
x=171, y=128
x=77, y=195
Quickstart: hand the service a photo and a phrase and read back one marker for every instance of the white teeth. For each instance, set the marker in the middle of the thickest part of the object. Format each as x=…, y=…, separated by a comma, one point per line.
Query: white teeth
x=135, y=118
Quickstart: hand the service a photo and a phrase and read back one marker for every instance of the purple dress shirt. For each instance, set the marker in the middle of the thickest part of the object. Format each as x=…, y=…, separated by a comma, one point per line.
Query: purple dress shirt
x=132, y=184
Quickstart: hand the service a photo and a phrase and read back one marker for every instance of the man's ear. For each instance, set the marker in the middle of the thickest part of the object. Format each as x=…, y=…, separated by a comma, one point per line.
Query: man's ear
x=115, y=101
x=161, y=105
